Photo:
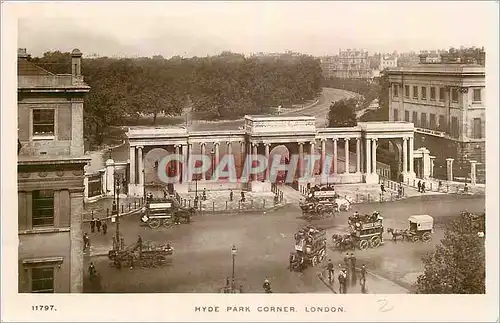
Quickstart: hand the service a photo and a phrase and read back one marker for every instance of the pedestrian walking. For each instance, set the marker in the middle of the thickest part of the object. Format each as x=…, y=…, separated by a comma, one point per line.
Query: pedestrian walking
x=341, y=282
x=400, y=191
x=231, y=196
x=131, y=261
x=422, y=188
x=86, y=242
x=419, y=186
x=347, y=260
x=92, y=271
x=466, y=188
x=362, y=280
x=382, y=188
x=291, y=260
x=104, y=227
x=267, y=286
x=204, y=196
x=98, y=225
x=331, y=272
x=92, y=225
x=242, y=196
x=353, y=261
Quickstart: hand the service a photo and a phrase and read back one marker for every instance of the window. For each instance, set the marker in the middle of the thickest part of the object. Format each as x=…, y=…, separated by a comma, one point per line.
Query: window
x=415, y=92
x=433, y=93
x=395, y=90
x=454, y=127
x=42, y=280
x=423, y=120
x=407, y=116
x=43, y=122
x=396, y=115
x=407, y=91
x=432, y=121
x=43, y=208
x=454, y=95
x=477, y=95
x=424, y=93
x=442, y=123
x=441, y=94
x=477, y=128
x=414, y=118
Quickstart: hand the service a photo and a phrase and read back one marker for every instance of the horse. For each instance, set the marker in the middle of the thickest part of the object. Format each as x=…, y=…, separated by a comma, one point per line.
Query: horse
x=342, y=204
x=185, y=213
x=342, y=241
x=398, y=233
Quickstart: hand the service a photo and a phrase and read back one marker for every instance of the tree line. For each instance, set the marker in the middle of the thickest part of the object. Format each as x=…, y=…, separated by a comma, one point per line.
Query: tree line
x=226, y=86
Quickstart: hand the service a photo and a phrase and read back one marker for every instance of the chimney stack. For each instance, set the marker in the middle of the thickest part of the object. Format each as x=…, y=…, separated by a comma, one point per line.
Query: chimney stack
x=22, y=53
x=76, y=63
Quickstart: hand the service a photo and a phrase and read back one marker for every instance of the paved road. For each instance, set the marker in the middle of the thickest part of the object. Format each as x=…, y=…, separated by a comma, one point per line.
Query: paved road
x=202, y=258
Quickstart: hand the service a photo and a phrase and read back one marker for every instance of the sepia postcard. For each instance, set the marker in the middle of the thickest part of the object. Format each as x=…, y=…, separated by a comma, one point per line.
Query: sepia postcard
x=319, y=161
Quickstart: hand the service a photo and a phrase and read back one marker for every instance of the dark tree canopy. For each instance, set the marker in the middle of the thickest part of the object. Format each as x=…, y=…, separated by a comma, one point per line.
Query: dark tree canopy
x=225, y=86
x=458, y=264
x=342, y=113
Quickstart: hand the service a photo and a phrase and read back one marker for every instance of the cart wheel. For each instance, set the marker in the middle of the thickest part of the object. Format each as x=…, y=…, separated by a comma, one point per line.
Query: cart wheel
x=167, y=223
x=314, y=261
x=375, y=241
x=363, y=244
x=414, y=239
x=322, y=255
x=154, y=223
x=426, y=237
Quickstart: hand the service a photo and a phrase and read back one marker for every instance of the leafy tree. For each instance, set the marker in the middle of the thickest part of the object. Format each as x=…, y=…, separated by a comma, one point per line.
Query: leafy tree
x=458, y=264
x=342, y=114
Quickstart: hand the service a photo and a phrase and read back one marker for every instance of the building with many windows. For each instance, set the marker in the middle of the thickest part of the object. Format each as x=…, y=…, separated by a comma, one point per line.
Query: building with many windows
x=50, y=177
x=349, y=64
x=446, y=104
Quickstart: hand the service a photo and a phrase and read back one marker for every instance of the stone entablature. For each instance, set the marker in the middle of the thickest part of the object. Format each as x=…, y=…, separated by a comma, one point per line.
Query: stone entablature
x=264, y=124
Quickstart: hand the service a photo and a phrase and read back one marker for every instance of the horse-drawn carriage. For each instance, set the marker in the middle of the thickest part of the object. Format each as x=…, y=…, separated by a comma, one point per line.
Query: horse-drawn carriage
x=420, y=227
x=364, y=231
x=321, y=204
x=310, y=248
x=166, y=212
x=141, y=254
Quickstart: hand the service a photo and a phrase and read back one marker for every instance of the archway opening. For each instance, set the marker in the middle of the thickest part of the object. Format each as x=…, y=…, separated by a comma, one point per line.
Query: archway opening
x=390, y=159
x=284, y=153
x=152, y=160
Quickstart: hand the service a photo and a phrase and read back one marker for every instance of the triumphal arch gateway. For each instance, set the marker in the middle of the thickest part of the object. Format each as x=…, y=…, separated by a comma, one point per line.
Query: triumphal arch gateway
x=353, y=149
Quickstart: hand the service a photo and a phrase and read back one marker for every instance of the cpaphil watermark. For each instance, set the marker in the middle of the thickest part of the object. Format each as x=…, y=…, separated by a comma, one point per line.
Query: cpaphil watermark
x=171, y=168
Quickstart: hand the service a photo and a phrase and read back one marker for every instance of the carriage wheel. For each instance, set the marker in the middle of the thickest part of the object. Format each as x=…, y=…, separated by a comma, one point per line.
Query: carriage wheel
x=426, y=237
x=414, y=239
x=167, y=223
x=375, y=241
x=322, y=255
x=363, y=244
x=154, y=223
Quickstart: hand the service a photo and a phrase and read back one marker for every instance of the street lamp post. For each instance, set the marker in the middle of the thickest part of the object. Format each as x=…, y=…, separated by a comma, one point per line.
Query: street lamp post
x=116, y=210
x=213, y=164
x=233, y=253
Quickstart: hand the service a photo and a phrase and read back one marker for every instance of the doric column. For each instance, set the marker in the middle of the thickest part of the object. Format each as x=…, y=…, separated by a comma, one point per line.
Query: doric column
x=203, y=153
x=346, y=153
x=254, y=158
x=243, y=155
x=216, y=160
x=432, y=158
x=266, y=174
x=449, y=168
x=177, y=152
x=323, y=153
x=132, y=165
x=335, y=170
x=368, y=163
x=410, y=153
x=374, y=156
x=301, y=159
x=311, y=160
x=358, y=155
x=405, y=155
x=140, y=164
x=473, y=164
x=185, y=159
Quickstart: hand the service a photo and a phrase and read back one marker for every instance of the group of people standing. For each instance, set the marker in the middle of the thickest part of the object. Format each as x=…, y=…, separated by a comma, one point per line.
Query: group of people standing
x=421, y=186
x=346, y=271
x=95, y=224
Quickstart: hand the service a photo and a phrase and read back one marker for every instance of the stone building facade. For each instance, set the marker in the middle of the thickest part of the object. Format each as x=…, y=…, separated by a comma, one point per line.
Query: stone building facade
x=50, y=177
x=446, y=103
x=349, y=64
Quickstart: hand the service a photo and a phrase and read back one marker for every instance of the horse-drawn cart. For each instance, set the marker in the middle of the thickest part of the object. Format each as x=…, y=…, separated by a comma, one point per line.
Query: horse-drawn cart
x=166, y=212
x=364, y=231
x=421, y=228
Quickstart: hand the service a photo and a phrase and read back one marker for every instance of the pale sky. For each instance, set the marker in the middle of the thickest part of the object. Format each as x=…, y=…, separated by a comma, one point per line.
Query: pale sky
x=205, y=28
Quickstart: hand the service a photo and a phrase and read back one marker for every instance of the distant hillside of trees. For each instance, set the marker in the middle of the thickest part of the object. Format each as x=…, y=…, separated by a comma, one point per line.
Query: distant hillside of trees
x=226, y=86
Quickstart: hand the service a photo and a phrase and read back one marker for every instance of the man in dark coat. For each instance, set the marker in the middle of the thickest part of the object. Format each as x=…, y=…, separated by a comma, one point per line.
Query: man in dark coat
x=92, y=225
x=104, y=227
x=98, y=225
x=331, y=271
x=419, y=186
